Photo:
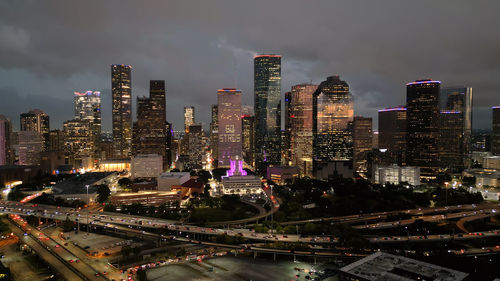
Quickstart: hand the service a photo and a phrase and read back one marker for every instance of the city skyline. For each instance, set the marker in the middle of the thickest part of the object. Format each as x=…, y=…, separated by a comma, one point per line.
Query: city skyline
x=372, y=82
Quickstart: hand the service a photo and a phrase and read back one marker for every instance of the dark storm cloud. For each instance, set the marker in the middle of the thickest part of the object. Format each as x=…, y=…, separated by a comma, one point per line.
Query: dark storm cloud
x=48, y=49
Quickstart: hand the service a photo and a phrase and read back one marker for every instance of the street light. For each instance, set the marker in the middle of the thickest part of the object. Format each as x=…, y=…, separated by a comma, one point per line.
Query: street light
x=88, y=206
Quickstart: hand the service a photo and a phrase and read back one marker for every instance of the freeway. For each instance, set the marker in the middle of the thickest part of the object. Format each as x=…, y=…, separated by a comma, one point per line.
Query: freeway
x=57, y=249
x=382, y=215
x=128, y=223
x=45, y=254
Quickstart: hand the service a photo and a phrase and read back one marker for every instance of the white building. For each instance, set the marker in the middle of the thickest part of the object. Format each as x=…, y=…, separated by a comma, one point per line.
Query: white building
x=395, y=174
x=166, y=180
x=484, y=177
x=241, y=185
x=146, y=166
x=491, y=162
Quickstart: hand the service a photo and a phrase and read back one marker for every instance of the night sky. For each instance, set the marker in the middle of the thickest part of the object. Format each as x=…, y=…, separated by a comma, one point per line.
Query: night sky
x=49, y=49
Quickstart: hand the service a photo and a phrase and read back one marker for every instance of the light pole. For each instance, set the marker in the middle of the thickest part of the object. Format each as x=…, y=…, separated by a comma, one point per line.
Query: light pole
x=272, y=207
x=88, y=206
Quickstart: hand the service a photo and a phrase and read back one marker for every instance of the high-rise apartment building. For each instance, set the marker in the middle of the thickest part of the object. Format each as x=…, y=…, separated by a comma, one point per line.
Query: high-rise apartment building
x=333, y=114
x=6, y=149
x=422, y=114
x=362, y=142
x=301, y=135
x=392, y=134
x=149, y=131
x=121, y=91
x=38, y=121
x=229, y=123
x=267, y=88
x=495, y=138
x=189, y=117
x=88, y=108
x=248, y=138
x=456, y=112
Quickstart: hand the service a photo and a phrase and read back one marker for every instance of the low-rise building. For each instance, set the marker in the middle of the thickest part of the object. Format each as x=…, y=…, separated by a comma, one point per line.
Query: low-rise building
x=491, y=162
x=395, y=174
x=484, y=177
x=146, y=166
x=281, y=174
x=152, y=198
x=167, y=180
x=384, y=266
x=241, y=185
x=114, y=165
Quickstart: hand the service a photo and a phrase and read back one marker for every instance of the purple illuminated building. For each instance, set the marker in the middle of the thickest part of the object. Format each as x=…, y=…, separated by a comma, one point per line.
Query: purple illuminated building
x=229, y=123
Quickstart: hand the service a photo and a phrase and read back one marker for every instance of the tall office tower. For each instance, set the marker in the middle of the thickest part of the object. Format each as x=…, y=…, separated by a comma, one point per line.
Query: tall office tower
x=6, y=149
x=170, y=154
x=248, y=138
x=362, y=142
x=286, y=149
x=392, y=134
x=375, y=139
x=229, y=121
x=451, y=155
x=56, y=140
x=495, y=138
x=195, y=146
x=121, y=91
x=106, y=146
x=267, y=88
x=36, y=120
x=149, y=131
x=458, y=100
x=214, y=133
x=301, y=138
x=422, y=115
x=30, y=145
x=189, y=117
x=77, y=141
x=333, y=113
x=88, y=108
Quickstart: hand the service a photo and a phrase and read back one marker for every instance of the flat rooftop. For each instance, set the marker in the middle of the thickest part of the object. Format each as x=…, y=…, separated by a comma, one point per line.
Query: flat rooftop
x=388, y=267
x=174, y=175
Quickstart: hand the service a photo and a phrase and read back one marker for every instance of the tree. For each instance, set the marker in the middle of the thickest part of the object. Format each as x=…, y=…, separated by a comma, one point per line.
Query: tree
x=103, y=193
x=124, y=182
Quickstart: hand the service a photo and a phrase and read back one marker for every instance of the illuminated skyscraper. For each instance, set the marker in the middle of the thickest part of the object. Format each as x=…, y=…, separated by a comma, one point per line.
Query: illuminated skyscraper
x=6, y=149
x=77, y=141
x=333, y=114
x=196, y=151
x=392, y=134
x=30, y=145
x=36, y=120
x=267, y=87
x=362, y=142
x=422, y=114
x=88, y=108
x=286, y=149
x=57, y=140
x=301, y=135
x=121, y=91
x=229, y=121
x=248, y=138
x=214, y=132
x=495, y=138
x=149, y=131
x=189, y=117
x=456, y=108
x=451, y=153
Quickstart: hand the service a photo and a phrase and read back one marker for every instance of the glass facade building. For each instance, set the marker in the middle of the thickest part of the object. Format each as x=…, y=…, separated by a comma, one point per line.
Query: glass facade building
x=267, y=88
x=88, y=108
x=495, y=138
x=333, y=114
x=121, y=92
x=392, y=133
x=301, y=135
x=422, y=114
x=38, y=121
x=362, y=142
x=189, y=117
